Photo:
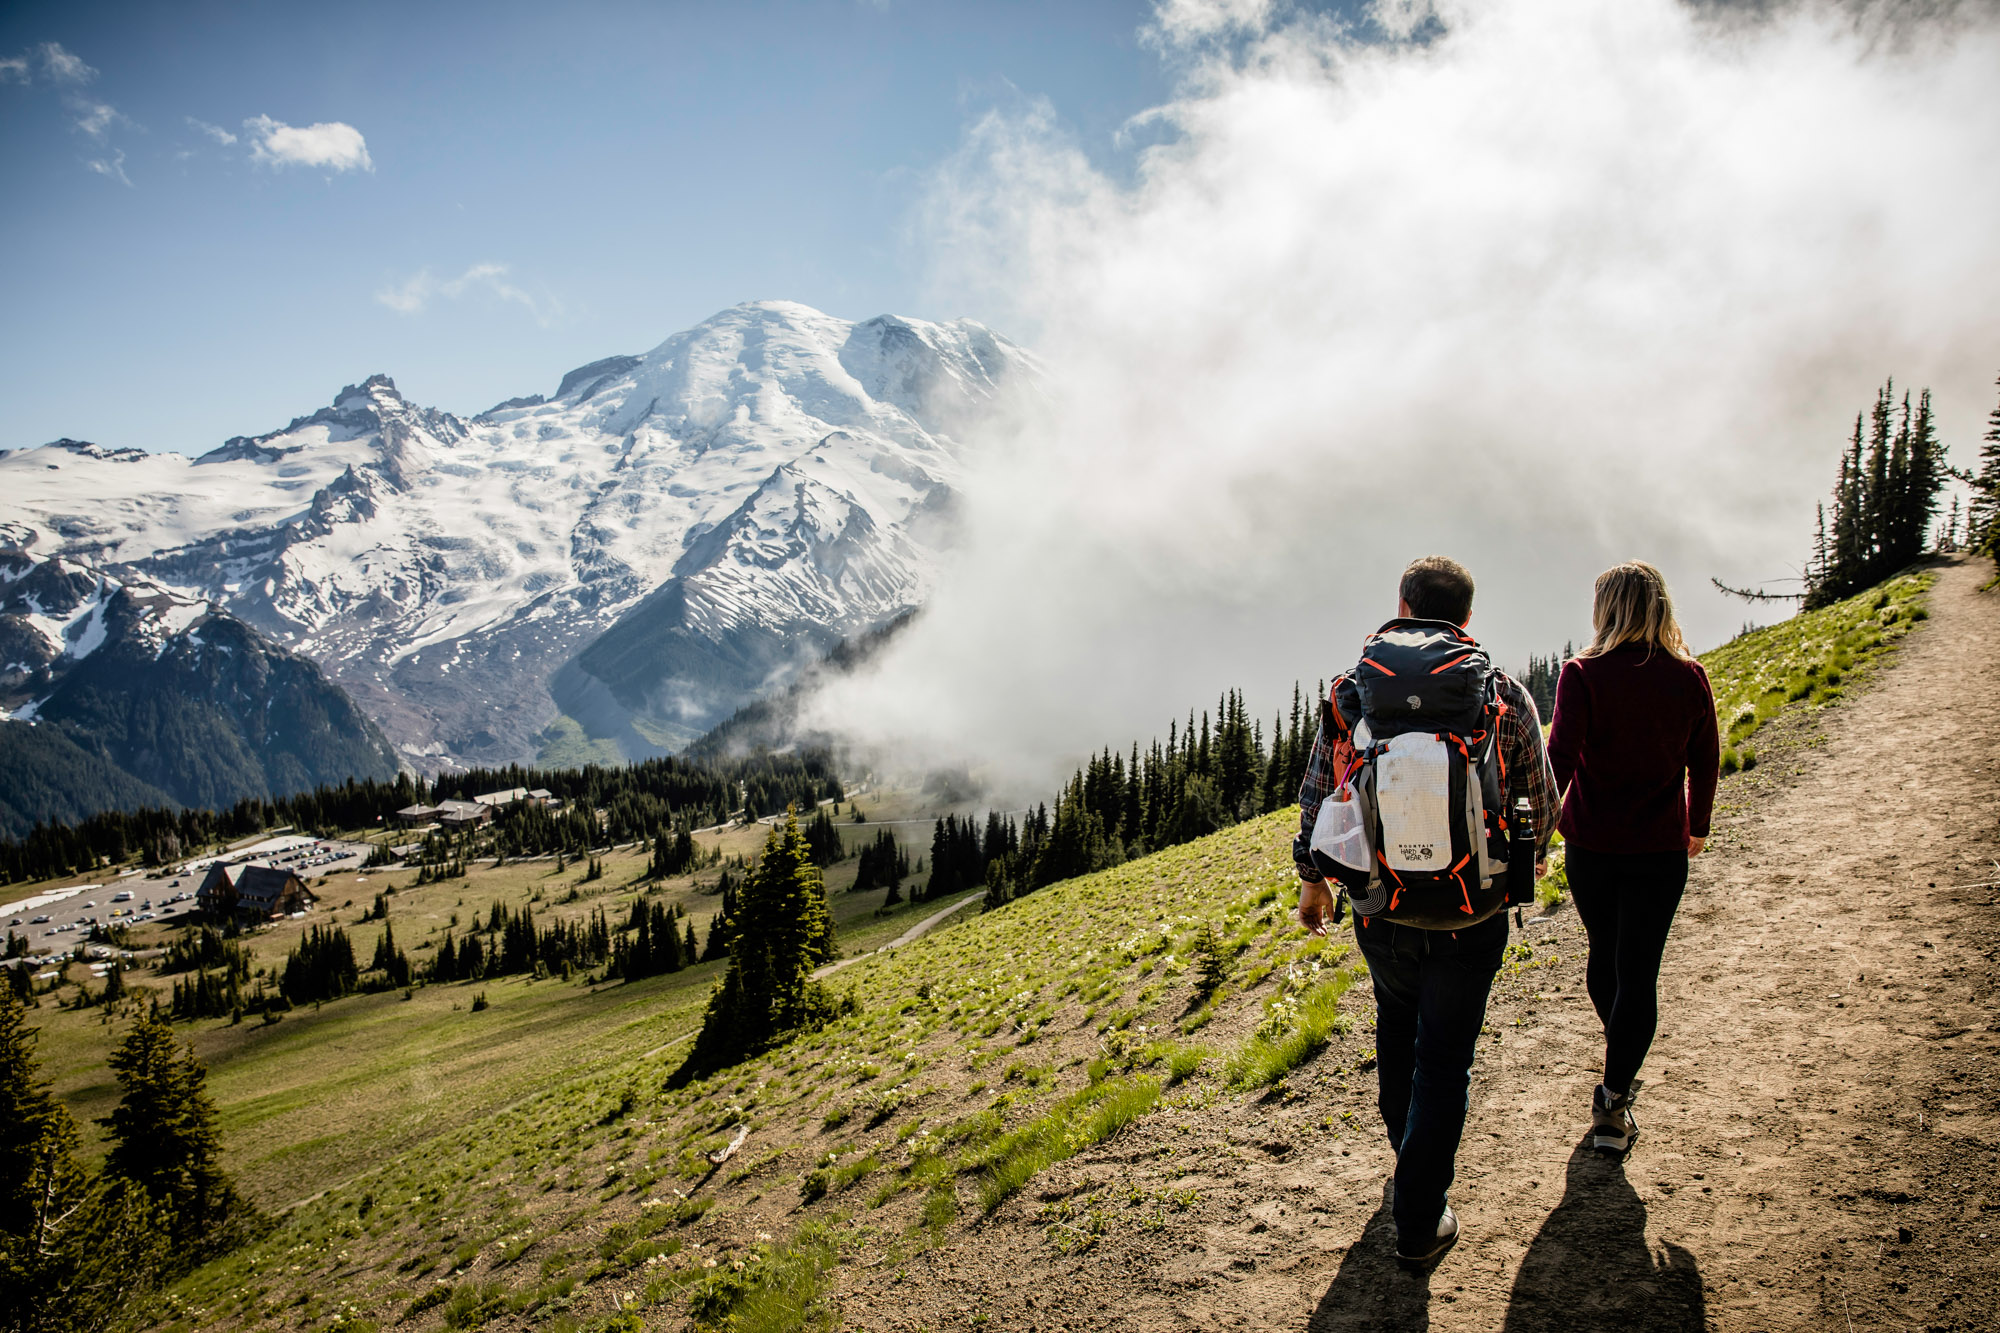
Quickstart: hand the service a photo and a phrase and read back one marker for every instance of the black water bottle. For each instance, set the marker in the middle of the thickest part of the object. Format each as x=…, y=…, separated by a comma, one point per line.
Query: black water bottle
x=1521, y=855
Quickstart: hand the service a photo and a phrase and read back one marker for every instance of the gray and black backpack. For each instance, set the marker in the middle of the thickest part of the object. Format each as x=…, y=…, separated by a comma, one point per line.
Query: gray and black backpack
x=1415, y=831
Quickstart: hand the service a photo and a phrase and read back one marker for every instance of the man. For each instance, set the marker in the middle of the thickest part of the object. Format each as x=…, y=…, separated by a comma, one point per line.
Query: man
x=1430, y=984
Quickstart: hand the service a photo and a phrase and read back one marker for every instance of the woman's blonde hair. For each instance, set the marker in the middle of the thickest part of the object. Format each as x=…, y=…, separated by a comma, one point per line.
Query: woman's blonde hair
x=1633, y=606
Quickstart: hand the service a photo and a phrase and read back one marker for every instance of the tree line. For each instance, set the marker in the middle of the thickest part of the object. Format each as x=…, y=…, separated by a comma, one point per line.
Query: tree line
x=1214, y=771
x=1883, y=501
x=600, y=806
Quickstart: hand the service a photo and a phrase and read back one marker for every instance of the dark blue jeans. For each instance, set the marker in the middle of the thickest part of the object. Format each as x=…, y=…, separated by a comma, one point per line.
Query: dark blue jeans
x=1430, y=1001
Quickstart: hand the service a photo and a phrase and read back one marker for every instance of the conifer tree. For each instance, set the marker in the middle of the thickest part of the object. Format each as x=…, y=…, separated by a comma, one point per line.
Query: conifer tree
x=72, y=1257
x=37, y=1137
x=1982, y=521
x=1883, y=502
x=114, y=985
x=783, y=931
x=389, y=960
x=164, y=1138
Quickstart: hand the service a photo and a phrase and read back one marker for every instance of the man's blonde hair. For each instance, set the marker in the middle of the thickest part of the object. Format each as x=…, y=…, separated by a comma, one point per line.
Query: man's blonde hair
x=1633, y=605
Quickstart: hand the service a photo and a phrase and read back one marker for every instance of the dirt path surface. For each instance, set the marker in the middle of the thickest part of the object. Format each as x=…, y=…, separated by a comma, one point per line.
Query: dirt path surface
x=1820, y=1143
x=916, y=932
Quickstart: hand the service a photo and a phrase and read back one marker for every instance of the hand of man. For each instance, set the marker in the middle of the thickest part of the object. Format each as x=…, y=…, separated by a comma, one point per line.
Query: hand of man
x=1541, y=869
x=1695, y=845
x=1315, y=904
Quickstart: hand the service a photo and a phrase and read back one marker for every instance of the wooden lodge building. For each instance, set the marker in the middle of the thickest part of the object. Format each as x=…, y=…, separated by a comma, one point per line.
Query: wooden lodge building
x=252, y=895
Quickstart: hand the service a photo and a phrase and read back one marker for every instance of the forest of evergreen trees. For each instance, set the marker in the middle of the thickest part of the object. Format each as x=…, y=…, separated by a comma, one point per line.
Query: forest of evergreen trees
x=1207, y=775
x=600, y=806
x=1883, y=502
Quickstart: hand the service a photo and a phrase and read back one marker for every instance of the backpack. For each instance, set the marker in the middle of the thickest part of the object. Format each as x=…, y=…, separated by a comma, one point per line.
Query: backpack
x=1414, y=829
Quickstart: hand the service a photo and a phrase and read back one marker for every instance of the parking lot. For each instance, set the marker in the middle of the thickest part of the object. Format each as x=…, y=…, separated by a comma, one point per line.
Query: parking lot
x=57, y=921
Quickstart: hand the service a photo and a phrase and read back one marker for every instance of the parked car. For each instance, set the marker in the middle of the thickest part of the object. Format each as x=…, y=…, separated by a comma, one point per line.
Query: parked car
x=122, y=896
x=41, y=920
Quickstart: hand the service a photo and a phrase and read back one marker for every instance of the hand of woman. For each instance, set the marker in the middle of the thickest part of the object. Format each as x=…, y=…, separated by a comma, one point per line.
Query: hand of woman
x=1695, y=845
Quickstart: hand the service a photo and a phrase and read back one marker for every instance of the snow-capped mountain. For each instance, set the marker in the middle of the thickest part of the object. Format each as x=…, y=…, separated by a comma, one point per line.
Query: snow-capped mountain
x=117, y=692
x=664, y=537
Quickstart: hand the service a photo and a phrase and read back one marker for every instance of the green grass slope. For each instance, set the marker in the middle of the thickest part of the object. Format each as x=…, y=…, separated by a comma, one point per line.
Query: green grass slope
x=984, y=1053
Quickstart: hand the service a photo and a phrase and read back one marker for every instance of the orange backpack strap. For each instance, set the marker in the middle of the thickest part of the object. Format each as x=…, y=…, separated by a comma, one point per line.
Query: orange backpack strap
x=1339, y=731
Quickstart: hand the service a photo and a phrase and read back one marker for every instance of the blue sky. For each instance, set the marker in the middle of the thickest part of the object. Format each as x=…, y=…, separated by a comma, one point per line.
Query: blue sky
x=542, y=185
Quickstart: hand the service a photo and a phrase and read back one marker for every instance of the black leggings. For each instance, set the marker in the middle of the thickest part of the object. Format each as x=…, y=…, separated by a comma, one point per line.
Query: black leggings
x=1627, y=901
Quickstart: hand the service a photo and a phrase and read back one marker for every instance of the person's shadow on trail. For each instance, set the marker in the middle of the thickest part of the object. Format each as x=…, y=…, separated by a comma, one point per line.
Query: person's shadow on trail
x=1371, y=1293
x=1590, y=1266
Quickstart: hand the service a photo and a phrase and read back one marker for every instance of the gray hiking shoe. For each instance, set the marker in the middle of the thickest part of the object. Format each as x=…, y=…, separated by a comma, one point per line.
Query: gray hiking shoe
x=1612, y=1128
x=1447, y=1236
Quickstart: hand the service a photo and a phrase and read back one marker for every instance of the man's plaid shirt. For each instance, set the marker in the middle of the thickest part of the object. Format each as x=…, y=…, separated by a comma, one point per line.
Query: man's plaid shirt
x=1528, y=771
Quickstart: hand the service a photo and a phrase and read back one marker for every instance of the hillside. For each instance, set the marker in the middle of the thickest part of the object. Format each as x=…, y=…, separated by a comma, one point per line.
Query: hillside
x=1034, y=1124
x=621, y=562
x=119, y=693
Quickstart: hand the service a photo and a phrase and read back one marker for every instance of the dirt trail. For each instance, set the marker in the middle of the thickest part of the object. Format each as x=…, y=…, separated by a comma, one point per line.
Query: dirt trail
x=1820, y=1141
x=916, y=932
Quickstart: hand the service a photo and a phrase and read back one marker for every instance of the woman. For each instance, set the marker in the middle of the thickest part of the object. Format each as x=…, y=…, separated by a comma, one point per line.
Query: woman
x=1634, y=749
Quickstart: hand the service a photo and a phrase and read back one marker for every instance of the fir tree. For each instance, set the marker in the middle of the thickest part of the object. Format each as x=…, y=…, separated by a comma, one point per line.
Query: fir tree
x=1884, y=499
x=72, y=1258
x=114, y=985
x=1211, y=964
x=164, y=1138
x=389, y=960
x=783, y=931
x=1982, y=520
x=39, y=1176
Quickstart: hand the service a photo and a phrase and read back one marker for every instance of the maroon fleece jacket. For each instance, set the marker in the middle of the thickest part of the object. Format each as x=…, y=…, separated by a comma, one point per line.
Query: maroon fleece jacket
x=1634, y=749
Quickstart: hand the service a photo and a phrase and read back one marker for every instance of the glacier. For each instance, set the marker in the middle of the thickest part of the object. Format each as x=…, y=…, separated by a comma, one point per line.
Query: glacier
x=662, y=539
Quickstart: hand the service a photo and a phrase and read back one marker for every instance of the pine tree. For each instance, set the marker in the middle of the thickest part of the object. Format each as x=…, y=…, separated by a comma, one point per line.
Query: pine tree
x=1883, y=502
x=38, y=1169
x=783, y=931
x=1982, y=521
x=164, y=1138
x=1211, y=965
x=389, y=960
x=72, y=1258
x=114, y=985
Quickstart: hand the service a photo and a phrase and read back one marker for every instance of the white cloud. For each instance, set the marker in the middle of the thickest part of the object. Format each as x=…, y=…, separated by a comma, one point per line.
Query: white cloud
x=414, y=294
x=1195, y=20
x=1560, y=284
x=215, y=132
x=63, y=66
x=330, y=144
x=95, y=118
x=112, y=166
x=58, y=65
